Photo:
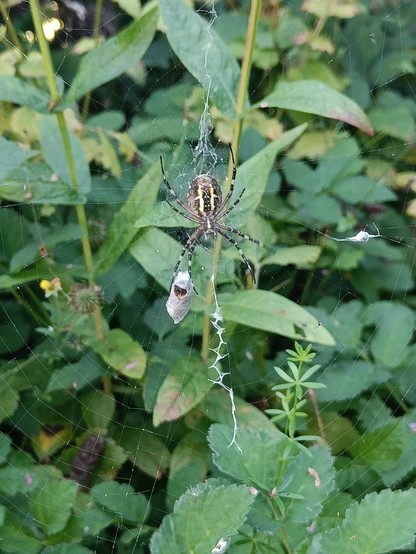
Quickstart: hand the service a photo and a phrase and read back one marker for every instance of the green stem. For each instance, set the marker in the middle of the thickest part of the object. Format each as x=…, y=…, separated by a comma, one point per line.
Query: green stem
x=239, y=109
x=45, y=51
x=55, y=99
x=10, y=27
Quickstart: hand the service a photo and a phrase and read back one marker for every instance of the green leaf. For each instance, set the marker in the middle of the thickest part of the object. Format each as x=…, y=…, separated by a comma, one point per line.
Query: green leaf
x=203, y=53
x=54, y=152
x=35, y=183
x=51, y=503
x=5, y=447
x=122, y=353
x=348, y=378
x=188, y=467
x=311, y=476
x=256, y=464
x=381, y=522
x=31, y=252
x=35, y=274
x=121, y=499
x=217, y=405
x=382, y=448
x=184, y=387
x=67, y=548
x=122, y=230
x=98, y=410
x=132, y=7
x=360, y=189
x=157, y=253
x=87, y=520
x=303, y=256
x=15, y=539
x=9, y=401
x=148, y=453
x=273, y=313
x=253, y=175
x=18, y=91
x=317, y=98
x=394, y=121
x=75, y=376
x=201, y=517
x=114, y=57
x=11, y=156
x=394, y=328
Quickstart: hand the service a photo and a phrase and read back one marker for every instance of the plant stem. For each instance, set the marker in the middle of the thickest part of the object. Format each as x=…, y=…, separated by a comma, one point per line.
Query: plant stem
x=239, y=109
x=10, y=27
x=45, y=51
x=80, y=211
x=55, y=99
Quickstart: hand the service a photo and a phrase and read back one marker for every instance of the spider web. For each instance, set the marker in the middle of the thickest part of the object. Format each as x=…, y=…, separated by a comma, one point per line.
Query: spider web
x=136, y=303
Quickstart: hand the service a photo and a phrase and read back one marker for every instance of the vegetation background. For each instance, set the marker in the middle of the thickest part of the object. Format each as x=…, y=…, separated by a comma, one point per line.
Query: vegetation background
x=119, y=430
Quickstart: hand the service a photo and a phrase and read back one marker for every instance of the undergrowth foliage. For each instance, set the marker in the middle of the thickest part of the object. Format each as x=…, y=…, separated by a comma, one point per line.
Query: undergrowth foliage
x=115, y=434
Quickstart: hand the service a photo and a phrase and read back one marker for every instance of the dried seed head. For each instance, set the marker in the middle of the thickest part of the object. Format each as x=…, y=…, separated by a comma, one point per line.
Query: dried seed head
x=84, y=298
x=97, y=230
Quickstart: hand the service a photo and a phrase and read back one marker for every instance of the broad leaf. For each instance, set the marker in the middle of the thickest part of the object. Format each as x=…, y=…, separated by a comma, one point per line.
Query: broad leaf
x=18, y=91
x=201, y=517
x=15, y=539
x=75, y=376
x=300, y=256
x=98, y=411
x=203, y=53
x=11, y=156
x=121, y=499
x=381, y=522
x=122, y=230
x=114, y=57
x=253, y=175
x=256, y=464
x=217, y=405
x=394, y=328
x=36, y=183
x=273, y=313
x=54, y=152
x=310, y=476
x=317, y=98
x=183, y=388
x=146, y=451
x=122, y=353
x=51, y=504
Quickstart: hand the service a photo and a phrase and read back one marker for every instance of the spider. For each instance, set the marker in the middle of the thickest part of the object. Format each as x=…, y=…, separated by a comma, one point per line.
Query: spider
x=207, y=208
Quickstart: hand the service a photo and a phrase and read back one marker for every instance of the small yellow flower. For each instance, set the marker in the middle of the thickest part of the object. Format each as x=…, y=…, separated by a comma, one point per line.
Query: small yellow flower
x=51, y=288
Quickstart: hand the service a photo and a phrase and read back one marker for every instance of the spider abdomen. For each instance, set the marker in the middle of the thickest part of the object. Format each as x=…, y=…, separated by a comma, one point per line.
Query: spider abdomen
x=204, y=196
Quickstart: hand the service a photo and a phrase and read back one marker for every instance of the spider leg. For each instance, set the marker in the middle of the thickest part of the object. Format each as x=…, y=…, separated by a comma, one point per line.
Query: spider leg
x=236, y=245
x=237, y=232
x=220, y=212
x=186, y=216
x=170, y=189
x=189, y=247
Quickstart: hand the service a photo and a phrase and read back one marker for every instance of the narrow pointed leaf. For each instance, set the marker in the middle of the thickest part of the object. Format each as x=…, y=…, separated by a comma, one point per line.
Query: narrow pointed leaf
x=317, y=98
x=271, y=312
x=203, y=53
x=114, y=57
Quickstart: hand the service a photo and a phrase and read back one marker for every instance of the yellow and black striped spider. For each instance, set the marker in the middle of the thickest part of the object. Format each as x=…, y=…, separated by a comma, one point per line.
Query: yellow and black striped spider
x=206, y=208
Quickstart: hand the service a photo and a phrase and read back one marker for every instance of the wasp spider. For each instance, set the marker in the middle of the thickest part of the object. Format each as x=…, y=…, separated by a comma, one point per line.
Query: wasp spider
x=207, y=209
